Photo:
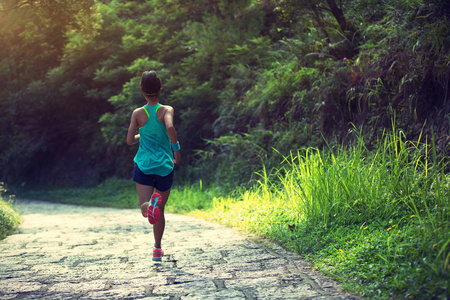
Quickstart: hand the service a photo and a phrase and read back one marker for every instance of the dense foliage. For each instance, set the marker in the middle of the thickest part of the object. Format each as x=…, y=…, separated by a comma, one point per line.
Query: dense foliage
x=244, y=76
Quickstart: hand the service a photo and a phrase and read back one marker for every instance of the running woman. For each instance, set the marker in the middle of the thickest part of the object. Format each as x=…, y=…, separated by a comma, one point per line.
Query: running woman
x=159, y=150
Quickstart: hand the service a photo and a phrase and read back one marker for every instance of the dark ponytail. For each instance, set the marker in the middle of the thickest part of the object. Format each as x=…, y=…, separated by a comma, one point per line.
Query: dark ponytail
x=150, y=83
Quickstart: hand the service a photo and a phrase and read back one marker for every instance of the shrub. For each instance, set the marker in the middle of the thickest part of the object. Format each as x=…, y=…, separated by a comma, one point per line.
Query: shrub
x=9, y=218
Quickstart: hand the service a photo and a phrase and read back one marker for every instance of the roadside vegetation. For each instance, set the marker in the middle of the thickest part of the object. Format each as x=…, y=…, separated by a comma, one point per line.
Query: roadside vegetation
x=121, y=193
x=9, y=218
x=377, y=221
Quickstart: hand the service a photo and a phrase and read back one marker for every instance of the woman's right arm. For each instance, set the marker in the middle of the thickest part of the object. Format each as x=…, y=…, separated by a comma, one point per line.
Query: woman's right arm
x=133, y=138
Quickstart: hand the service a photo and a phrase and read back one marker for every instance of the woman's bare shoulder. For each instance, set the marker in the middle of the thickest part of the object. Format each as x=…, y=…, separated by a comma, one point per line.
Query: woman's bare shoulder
x=138, y=110
x=167, y=109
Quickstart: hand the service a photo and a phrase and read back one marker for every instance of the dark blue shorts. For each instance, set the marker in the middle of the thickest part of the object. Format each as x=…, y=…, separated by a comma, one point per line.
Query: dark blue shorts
x=161, y=183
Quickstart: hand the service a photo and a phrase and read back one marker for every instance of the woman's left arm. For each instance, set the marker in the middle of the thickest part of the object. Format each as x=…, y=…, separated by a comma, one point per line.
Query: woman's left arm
x=168, y=121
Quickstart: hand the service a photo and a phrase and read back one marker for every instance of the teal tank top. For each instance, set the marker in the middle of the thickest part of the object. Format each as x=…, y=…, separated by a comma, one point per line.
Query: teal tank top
x=155, y=156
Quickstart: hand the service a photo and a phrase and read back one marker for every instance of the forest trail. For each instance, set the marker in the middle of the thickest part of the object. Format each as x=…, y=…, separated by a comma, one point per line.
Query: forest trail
x=74, y=252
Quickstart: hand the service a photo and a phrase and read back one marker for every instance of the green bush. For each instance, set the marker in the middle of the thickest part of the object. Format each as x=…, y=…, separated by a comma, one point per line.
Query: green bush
x=9, y=218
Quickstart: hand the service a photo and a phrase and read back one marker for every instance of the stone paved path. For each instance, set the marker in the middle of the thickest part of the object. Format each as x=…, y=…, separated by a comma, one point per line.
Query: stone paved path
x=73, y=252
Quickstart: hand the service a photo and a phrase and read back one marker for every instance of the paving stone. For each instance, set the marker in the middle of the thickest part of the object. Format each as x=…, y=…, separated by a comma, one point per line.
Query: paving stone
x=74, y=252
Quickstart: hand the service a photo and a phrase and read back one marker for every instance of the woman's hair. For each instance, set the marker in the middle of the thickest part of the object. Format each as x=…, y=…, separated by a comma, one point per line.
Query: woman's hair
x=150, y=83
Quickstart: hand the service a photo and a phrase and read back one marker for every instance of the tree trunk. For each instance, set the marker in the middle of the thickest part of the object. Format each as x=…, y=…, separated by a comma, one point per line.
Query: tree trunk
x=346, y=27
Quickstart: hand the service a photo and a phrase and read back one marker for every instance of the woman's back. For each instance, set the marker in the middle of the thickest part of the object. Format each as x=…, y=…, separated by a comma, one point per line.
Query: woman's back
x=155, y=154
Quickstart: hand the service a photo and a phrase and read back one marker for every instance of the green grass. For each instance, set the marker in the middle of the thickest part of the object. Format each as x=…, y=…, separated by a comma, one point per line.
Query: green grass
x=9, y=218
x=114, y=192
x=378, y=221
x=191, y=197
x=121, y=193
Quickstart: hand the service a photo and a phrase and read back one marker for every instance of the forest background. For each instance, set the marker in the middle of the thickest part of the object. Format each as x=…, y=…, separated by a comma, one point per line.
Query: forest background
x=244, y=77
x=260, y=89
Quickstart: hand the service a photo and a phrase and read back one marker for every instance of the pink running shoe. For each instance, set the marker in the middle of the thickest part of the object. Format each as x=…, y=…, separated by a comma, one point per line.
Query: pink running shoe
x=157, y=254
x=153, y=210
